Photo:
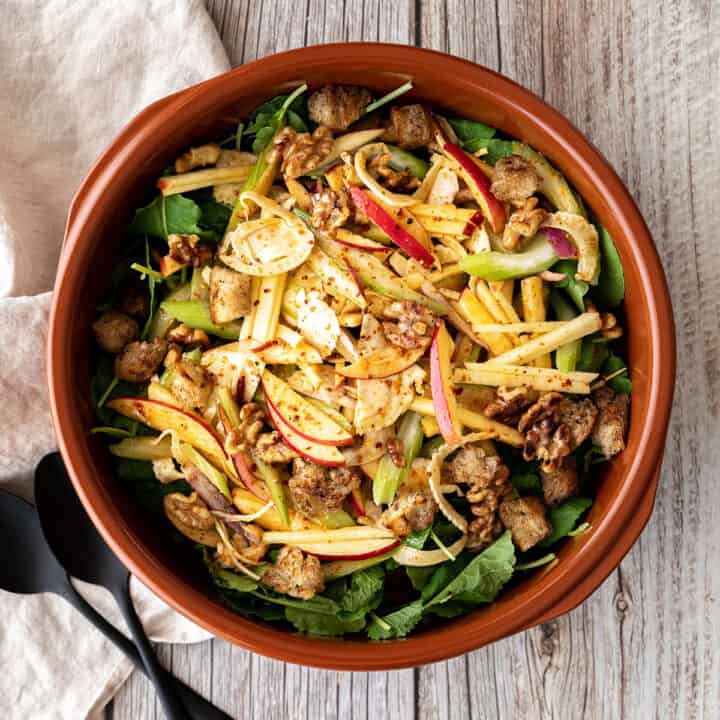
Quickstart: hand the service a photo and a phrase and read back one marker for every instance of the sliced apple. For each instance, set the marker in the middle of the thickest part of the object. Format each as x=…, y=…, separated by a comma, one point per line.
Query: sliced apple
x=353, y=240
x=327, y=455
x=247, y=504
x=300, y=415
x=479, y=185
x=142, y=448
x=189, y=428
x=441, y=385
x=336, y=281
x=350, y=550
x=382, y=363
x=391, y=227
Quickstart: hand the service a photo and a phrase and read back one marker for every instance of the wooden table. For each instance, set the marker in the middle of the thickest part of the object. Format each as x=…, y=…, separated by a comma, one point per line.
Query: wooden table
x=642, y=80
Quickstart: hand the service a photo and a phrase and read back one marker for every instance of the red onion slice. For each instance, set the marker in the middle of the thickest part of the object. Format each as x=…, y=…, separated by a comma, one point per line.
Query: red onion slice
x=560, y=242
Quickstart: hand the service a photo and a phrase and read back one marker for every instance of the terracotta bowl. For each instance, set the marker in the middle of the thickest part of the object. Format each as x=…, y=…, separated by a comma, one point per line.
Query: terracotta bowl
x=117, y=184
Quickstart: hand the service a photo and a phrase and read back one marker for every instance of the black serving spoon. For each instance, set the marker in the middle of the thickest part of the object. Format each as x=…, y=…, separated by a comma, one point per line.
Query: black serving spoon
x=83, y=554
x=28, y=567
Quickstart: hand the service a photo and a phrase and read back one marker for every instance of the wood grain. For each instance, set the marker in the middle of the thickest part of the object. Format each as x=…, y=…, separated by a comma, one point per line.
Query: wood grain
x=642, y=80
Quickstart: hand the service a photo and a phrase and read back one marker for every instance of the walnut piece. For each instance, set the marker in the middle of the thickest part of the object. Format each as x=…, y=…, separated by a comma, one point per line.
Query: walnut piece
x=554, y=426
x=488, y=483
x=330, y=209
x=398, y=180
x=185, y=335
x=272, y=449
x=295, y=574
x=515, y=179
x=114, y=330
x=245, y=435
x=306, y=151
x=338, y=106
x=197, y=157
x=139, y=360
x=414, y=326
x=188, y=250
x=523, y=223
x=510, y=402
x=190, y=515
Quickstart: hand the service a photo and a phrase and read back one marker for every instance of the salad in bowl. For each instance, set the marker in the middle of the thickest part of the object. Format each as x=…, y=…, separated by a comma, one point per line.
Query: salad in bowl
x=363, y=360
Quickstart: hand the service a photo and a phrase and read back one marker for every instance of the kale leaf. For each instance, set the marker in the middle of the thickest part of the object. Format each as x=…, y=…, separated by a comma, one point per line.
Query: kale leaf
x=481, y=580
x=564, y=518
x=396, y=624
x=167, y=215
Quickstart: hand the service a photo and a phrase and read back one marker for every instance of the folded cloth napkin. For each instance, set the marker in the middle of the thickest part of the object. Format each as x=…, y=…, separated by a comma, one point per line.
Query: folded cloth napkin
x=74, y=72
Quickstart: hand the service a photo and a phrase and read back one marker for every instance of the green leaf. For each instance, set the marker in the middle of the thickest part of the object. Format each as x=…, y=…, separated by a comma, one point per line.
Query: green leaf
x=576, y=289
x=416, y=540
x=233, y=581
x=167, y=215
x=443, y=575
x=611, y=285
x=468, y=130
x=317, y=624
x=620, y=383
x=263, y=139
x=419, y=575
x=526, y=482
x=564, y=518
x=365, y=591
x=592, y=355
x=214, y=216
x=482, y=579
x=401, y=622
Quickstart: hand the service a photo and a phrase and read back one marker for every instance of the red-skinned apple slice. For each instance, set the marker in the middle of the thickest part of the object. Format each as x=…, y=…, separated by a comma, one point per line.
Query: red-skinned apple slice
x=326, y=455
x=242, y=463
x=479, y=185
x=357, y=503
x=351, y=239
x=350, y=549
x=382, y=363
x=354, y=274
x=391, y=227
x=189, y=428
x=441, y=385
x=306, y=419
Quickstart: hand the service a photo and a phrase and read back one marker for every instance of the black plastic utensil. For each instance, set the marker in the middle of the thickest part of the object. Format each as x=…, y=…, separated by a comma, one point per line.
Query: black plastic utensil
x=28, y=566
x=78, y=547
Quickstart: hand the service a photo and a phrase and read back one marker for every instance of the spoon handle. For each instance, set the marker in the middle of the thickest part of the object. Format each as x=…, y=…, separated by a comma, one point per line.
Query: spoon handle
x=174, y=709
x=198, y=707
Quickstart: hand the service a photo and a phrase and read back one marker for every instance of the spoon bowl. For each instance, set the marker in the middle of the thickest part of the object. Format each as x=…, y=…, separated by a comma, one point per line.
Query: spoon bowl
x=28, y=566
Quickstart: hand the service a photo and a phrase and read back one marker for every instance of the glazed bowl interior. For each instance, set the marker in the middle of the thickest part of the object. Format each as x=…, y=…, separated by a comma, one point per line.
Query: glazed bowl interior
x=123, y=179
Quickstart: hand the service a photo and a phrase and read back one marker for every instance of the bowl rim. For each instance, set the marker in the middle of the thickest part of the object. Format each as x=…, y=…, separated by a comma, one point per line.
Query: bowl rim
x=615, y=532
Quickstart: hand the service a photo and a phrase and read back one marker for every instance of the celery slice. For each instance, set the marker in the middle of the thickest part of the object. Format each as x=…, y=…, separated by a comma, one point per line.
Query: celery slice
x=566, y=356
x=389, y=476
x=196, y=314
